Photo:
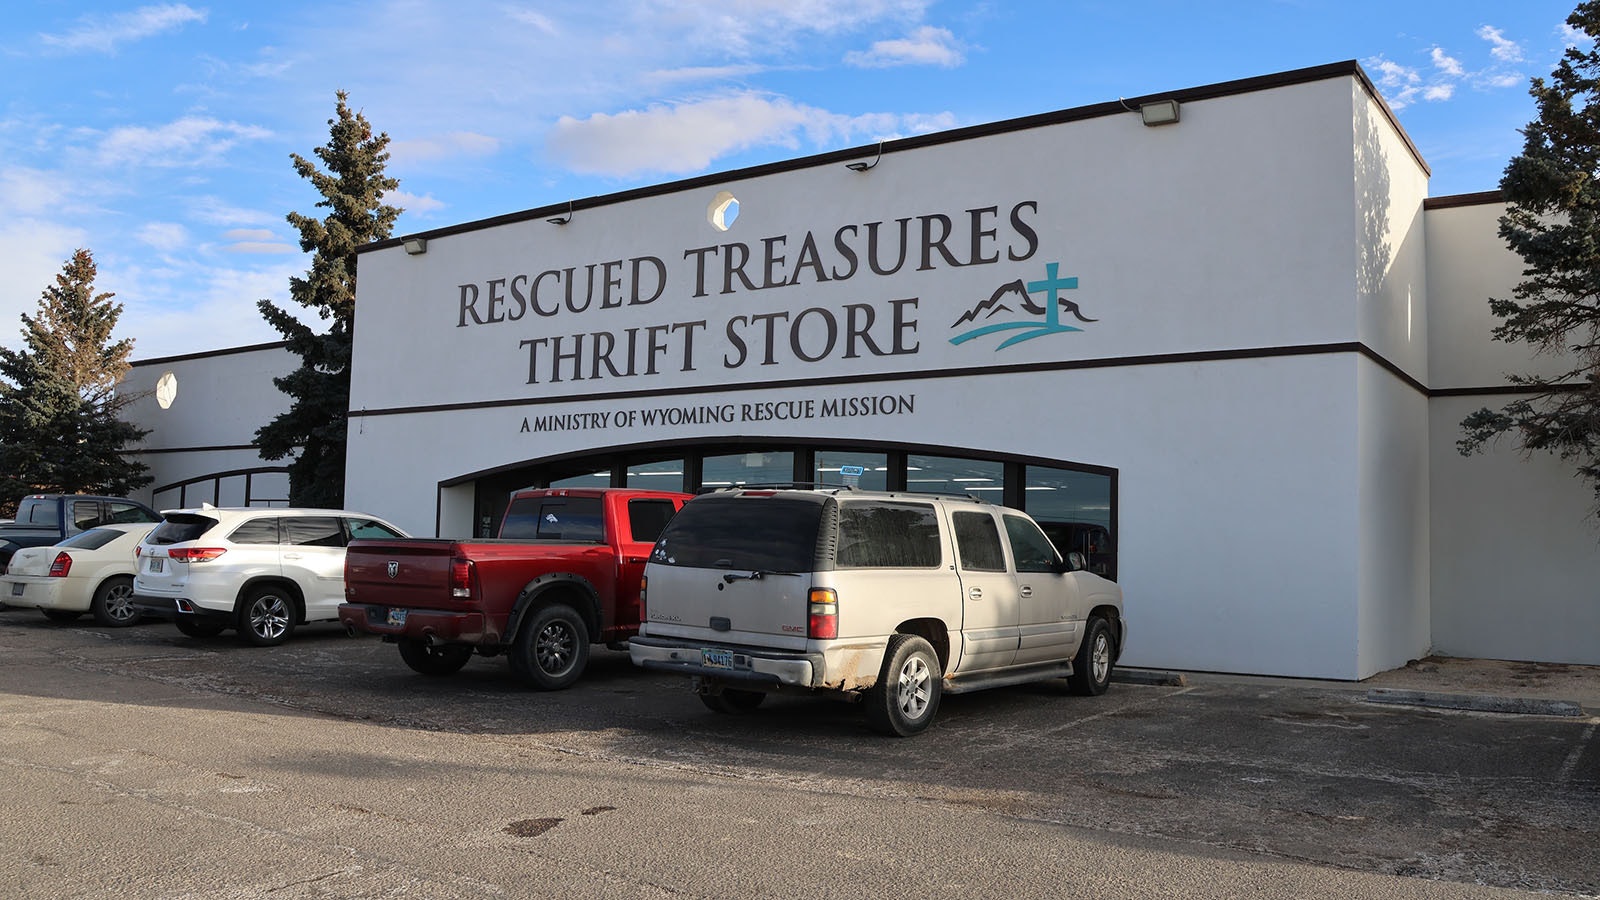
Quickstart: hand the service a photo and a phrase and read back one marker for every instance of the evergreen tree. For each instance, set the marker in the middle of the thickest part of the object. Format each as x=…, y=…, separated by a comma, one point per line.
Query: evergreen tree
x=59, y=403
x=1552, y=221
x=313, y=428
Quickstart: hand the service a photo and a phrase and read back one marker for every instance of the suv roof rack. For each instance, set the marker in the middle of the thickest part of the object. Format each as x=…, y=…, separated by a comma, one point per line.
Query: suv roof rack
x=777, y=486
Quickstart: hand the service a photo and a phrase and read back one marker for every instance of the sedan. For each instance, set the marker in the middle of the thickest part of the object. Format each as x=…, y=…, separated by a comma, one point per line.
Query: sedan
x=92, y=572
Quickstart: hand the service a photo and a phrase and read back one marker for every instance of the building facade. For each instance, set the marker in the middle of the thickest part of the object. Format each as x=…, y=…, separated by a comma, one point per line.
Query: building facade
x=1226, y=355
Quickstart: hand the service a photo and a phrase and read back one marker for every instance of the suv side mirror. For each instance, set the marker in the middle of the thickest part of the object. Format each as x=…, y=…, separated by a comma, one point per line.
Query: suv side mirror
x=1074, y=562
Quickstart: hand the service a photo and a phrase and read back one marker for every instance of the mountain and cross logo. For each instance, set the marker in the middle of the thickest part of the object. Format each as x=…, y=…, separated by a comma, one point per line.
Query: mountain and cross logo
x=1021, y=292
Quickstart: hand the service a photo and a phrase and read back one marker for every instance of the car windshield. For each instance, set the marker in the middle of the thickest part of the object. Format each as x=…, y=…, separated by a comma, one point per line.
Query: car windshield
x=179, y=527
x=93, y=539
x=772, y=534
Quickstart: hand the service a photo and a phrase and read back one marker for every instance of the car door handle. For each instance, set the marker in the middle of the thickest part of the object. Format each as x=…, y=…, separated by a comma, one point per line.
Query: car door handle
x=975, y=593
x=1027, y=591
x=291, y=556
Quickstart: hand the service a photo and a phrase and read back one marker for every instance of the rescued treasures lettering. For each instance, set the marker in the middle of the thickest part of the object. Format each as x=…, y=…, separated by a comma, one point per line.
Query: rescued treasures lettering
x=560, y=304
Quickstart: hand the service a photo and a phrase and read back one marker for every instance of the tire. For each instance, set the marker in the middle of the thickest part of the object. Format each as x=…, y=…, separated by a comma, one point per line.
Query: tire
x=437, y=661
x=551, y=648
x=61, y=616
x=266, y=617
x=112, y=606
x=196, y=627
x=906, y=697
x=733, y=702
x=1091, y=668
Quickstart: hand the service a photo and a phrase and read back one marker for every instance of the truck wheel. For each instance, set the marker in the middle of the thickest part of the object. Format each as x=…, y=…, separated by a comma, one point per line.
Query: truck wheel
x=551, y=649
x=1091, y=668
x=266, y=618
x=196, y=627
x=111, y=606
x=446, y=659
x=906, y=697
x=61, y=616
x=733, y=702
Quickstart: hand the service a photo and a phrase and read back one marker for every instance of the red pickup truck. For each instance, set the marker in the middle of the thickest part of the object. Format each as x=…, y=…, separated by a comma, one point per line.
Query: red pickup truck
x=563, y=574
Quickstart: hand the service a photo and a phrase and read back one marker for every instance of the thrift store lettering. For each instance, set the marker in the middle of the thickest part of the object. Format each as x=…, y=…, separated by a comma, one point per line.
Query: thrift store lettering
x=768, y=337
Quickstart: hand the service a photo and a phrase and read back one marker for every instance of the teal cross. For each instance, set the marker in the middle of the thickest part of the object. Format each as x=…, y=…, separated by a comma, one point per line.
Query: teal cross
x=1052, y=284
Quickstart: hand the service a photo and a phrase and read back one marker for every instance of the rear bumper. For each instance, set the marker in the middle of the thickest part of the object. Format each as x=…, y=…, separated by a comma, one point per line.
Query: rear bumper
x=440, y=625
x=754, y=667
x=170, y=608
x=40, y=592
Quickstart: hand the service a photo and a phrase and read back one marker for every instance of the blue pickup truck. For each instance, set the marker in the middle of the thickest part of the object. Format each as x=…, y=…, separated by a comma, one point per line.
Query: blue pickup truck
x=45, y=519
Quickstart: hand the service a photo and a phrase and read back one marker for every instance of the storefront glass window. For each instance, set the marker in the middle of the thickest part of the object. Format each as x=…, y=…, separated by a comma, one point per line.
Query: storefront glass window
x=953, y=475
x=588, y=480
x=1074, y=509
x=874, y=469
x=665, y=475
x=747, y=468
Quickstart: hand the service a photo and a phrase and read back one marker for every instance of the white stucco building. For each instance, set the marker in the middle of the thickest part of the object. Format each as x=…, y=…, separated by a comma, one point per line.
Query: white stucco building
x=1241, y=343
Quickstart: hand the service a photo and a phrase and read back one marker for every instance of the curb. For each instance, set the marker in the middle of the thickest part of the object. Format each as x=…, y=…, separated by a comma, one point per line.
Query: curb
x=1525, y=706
x=1148, y=677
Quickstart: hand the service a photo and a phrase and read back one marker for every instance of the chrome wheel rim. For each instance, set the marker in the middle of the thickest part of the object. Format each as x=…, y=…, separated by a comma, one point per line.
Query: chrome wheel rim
x=1101, y=664
x=914, y=689
x=554, y=648
x=118, y=605
x=269, y=617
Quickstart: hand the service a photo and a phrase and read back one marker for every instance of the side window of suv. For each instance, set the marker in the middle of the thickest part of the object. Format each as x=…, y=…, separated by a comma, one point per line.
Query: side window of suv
x=257, y=531
x=875, y=535
x=978, y=542
x=313, y=531
x=1029, y=547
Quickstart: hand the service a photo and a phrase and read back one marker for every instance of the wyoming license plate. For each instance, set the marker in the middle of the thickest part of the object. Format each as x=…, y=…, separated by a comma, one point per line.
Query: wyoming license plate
x=717, y=659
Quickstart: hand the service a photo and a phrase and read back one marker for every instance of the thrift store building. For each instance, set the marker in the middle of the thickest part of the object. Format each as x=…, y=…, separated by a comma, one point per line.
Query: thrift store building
x=1223, y=335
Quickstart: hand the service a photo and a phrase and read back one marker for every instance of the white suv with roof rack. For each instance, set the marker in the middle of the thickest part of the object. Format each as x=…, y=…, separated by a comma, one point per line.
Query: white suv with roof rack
x=891, y=599
x=260, y=570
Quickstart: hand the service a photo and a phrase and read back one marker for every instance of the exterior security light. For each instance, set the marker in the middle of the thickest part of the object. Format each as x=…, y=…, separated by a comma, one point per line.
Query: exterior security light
x=415, y=246
x=1160, y=112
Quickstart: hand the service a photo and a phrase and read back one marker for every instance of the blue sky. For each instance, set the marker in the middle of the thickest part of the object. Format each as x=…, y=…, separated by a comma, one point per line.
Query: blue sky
x=158, y=135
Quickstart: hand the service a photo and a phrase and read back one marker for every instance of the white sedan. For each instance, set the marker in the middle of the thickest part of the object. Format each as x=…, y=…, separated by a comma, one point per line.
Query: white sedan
x=92, y=572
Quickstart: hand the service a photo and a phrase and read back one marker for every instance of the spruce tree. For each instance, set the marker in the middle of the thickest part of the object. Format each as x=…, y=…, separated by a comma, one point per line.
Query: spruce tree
x=313, y=428
x=1552, y=220
x=59, y=397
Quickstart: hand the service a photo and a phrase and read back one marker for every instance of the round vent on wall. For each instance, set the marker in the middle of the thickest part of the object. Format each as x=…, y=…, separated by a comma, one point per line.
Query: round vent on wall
x=166, y=390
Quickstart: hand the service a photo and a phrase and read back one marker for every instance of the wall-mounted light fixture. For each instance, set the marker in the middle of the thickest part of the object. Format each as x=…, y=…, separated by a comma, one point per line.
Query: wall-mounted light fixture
x=562, y=220
x=416, y=246
x=1159, y=112
x=859, y=166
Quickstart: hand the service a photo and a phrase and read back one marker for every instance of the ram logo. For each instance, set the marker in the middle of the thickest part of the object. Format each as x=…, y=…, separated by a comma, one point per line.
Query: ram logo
x=394, y=569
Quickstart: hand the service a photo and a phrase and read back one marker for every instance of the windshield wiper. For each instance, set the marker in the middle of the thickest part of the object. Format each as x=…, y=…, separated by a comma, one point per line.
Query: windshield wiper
x=755, y=575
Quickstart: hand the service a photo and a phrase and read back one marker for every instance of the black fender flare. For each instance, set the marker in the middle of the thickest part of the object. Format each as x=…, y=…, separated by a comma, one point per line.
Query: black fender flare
x=538, y=592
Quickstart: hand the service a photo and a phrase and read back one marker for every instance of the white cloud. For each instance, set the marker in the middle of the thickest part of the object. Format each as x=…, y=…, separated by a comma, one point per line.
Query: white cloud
x=1446, y=64
x=249, y=234
x=104, y=33
x=925, y=46
x=446, y=146
x=216, y=211
x=689, y=74
x=1506, y=80
x=163, y=236
x=263, y=247
x=412, y=203
x=189, y=141
x=688, y=137
x=1573, y=37
x=223, y=299
x=744, y=27
x=31, y=191
x=529, y=17
x=36, y=249
x=1500, y=47
x=1436, y=92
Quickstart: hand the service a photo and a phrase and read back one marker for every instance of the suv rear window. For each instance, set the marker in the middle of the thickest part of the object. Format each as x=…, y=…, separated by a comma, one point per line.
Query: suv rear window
x=179, y=527
x=772, y=534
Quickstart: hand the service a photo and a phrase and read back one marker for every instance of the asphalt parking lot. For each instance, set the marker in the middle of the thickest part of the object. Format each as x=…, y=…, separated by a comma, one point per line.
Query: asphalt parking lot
x=144, y=763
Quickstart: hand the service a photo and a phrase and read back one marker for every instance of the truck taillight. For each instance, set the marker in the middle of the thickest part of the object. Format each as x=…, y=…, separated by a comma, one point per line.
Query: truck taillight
x=62, y=565
x=822, y=619
x=460, y=578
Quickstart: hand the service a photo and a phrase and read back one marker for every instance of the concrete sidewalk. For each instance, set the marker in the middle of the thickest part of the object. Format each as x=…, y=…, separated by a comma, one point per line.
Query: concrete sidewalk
x=1486, y=685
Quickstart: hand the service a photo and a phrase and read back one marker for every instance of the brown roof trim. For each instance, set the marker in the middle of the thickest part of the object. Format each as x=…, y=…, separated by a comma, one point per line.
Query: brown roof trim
x=1481, y=198
x=251, y=348
x=1346, y=69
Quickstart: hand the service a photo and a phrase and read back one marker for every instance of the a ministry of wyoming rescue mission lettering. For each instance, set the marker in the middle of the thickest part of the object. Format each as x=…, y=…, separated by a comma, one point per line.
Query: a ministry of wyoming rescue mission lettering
x=975, y=237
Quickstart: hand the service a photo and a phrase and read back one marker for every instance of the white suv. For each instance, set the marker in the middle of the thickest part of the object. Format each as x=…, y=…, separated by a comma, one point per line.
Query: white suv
x=260, y=570
x=890, y=599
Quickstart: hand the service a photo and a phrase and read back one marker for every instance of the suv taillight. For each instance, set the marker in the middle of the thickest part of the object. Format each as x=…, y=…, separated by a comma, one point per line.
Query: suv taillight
x=196, y=554
x=61, y=566
x=644, y=584
x=460, y=578
x=822, y=618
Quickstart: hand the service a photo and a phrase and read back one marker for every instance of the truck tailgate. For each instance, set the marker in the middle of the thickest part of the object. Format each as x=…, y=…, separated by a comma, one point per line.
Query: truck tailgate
x=410, y=573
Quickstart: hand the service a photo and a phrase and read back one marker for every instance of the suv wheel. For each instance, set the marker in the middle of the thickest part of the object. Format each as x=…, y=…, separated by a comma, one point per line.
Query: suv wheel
x=906, y=697
x=446, y=659
x=266, y=618
x=111, y=606
x=551, y=649
x=1091, y=668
